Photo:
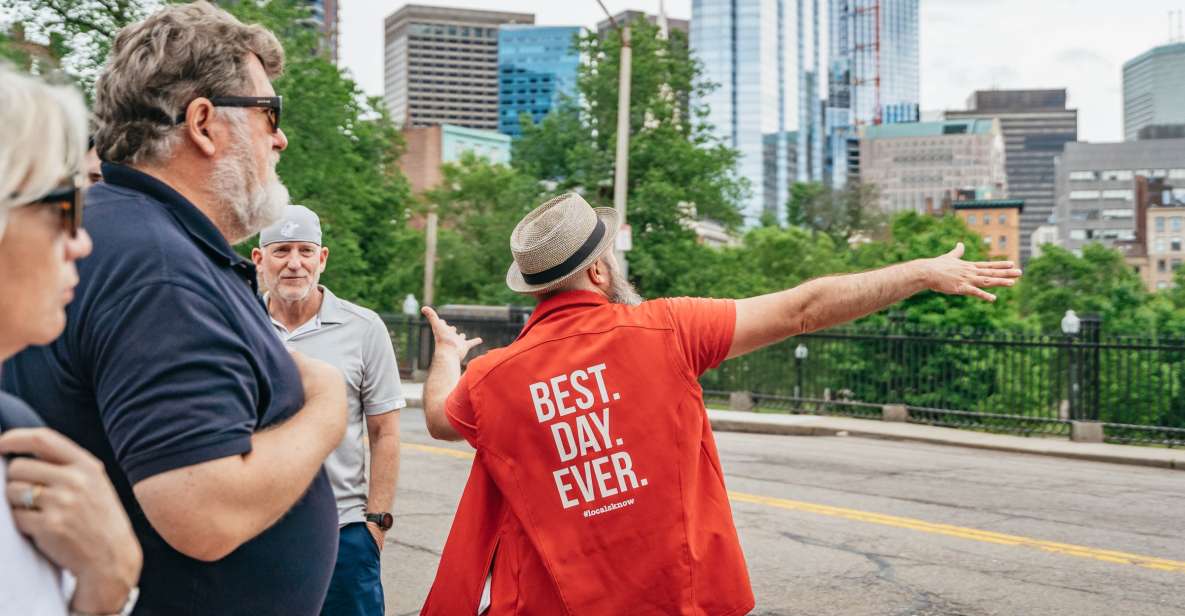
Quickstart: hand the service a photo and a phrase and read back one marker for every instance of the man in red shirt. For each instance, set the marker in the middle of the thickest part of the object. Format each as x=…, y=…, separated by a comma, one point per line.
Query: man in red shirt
x=596, y=487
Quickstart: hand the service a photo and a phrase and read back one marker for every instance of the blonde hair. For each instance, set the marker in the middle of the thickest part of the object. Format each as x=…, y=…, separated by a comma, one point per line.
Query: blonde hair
x=44, y=137
x=160, y=65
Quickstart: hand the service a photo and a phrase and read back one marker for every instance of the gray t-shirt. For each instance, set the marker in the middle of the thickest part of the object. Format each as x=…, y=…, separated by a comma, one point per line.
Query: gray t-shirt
x=354, y=340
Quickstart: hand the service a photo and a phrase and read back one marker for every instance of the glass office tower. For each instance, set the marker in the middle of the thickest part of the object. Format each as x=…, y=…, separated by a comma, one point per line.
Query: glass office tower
x=1153, y=88
x=763, y=56
x=874, y=74
x=537, y=67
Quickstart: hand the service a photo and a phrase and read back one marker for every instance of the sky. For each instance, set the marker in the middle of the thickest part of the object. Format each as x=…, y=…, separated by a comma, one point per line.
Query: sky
x=966, y=45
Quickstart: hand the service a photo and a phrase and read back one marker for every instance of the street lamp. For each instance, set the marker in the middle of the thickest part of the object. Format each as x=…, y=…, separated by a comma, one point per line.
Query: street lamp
x=800, y=353
x=1071, y=325
x=411, y=307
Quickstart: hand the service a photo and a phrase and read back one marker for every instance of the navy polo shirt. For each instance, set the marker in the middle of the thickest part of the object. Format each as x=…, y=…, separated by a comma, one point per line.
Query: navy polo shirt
x=169, y=360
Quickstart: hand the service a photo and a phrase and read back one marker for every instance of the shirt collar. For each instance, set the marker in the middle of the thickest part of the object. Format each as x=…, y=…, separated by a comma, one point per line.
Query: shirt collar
x=331, y=310
x=192, y=219
x=562, y=301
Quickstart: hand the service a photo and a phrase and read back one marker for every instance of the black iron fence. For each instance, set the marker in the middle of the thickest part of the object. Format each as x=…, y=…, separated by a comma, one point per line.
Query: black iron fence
x=1008, y=382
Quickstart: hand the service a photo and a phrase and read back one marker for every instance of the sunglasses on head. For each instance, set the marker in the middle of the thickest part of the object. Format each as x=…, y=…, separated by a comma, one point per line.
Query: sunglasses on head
x=68, y=198
x=272, y=105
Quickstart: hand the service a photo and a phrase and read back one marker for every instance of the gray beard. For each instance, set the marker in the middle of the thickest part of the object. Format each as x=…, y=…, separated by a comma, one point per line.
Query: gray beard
x=253, y=204
x=620, y=289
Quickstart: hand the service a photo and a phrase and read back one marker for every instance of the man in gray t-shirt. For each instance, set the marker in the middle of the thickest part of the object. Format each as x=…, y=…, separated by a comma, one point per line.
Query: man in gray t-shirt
x=312, y=320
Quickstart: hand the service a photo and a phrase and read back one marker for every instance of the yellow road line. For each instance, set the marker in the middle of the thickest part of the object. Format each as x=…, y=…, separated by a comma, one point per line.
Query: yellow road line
x=984, y=536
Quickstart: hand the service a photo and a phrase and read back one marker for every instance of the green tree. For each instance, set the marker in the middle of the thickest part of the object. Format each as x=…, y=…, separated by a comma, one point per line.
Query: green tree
x=842, y=214
x=677, y=169
x=479, y=204
x=77, y=33
x=1099, y=282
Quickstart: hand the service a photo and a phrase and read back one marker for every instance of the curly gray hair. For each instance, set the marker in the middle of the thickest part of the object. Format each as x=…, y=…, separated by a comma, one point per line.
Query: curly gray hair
x=159, y=65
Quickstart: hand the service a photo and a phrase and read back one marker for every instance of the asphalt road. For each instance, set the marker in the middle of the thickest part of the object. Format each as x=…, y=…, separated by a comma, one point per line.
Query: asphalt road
x=852, y=527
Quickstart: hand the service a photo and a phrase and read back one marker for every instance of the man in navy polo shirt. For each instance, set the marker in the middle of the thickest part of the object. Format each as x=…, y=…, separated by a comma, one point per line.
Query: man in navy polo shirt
x=169, y=370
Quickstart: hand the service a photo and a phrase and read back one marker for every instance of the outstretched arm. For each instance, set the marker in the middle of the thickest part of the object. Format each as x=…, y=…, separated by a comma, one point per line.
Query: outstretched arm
x=443, y=375
x=833, y=300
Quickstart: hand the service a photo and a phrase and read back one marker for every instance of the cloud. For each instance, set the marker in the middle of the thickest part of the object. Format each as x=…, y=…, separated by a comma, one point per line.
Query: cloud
x=1080, y=56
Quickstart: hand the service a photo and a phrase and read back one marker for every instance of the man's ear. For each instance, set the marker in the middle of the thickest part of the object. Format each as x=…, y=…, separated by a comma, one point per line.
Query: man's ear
x=598, y=273
x=324, y=257
x=257, y=257
x=199, y=120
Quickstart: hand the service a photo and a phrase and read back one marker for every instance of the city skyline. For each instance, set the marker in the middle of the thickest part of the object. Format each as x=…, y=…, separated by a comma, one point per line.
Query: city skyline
x=1084, y=54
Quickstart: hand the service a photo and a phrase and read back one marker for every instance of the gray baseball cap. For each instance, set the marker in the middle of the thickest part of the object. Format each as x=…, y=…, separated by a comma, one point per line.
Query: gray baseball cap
x=298, y=224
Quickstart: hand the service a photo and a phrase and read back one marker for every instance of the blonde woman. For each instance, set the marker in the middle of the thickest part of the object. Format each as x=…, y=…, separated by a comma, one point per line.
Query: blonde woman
x=62, y=513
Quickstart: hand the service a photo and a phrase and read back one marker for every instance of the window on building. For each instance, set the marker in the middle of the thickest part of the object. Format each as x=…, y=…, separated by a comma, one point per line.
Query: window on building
x=1120, y=194
x=1160, y=266
x=1003, y=243
x=971, y=219
x=1117, y=214
x=1175, y=244
x=1162, y=285
x=1117, y=175
x=987, y=241
x=1003, y=219
x=1175, y=223
x=1084, y=215
x=1177, y=174
x=1158, y=245
x=1077, y=234
x=1083, y=176
x=1160, y=225
x=1078, y=195
x=1176, y=264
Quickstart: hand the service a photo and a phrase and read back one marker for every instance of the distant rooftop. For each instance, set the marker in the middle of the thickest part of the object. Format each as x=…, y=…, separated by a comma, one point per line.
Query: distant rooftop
x=1172, y=48
x=1017, y=100
x=945, y=128
x=989, y=204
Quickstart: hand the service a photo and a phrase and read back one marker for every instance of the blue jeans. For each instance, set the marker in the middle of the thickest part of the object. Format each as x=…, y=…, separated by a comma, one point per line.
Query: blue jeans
x=356, y=588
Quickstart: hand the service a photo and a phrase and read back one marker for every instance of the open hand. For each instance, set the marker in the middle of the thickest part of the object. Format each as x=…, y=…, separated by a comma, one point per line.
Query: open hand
x=448, y=339
x=951, y=275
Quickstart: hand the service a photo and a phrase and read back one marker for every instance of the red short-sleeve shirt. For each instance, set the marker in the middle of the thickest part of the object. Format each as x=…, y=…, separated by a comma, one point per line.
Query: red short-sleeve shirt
x=596, y=488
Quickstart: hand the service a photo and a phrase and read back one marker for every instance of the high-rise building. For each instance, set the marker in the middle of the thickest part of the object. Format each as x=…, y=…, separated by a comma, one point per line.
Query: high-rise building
x=1096, y=188
x=874, y=74
x=917, y=166
x=764, y=57
x=1036, y=126
x=537, y=69
x=1153, y=88
x=441, y=65
x=325, y=15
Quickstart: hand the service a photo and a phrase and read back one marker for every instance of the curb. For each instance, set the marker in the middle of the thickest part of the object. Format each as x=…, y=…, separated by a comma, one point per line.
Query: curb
x=816, y=425
x=1129, y=456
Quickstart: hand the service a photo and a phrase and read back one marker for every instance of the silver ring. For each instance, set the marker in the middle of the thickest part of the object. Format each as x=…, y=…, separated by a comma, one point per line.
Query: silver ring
x=29, y=497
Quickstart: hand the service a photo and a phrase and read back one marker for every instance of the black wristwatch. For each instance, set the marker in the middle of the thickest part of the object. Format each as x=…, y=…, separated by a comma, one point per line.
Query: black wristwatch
x=383, y=520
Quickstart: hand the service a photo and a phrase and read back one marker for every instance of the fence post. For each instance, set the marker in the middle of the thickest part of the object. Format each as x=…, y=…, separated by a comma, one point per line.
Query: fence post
x=1091, y=366
x=740, y=401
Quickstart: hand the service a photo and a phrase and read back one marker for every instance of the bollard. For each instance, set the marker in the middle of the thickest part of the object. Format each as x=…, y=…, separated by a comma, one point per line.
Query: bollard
x=894, y=412
x=1086, y=431
x=740, y=401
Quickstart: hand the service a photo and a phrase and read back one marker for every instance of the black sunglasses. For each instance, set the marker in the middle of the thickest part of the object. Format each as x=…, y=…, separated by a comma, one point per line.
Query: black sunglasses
x=272, y=105
x=69, y=199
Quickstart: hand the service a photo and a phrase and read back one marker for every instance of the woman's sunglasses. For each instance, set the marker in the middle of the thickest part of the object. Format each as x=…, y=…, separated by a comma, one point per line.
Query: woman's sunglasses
x=69, y=200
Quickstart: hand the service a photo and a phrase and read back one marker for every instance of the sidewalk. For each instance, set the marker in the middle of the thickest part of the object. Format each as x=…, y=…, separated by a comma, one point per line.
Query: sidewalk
x=816, y=425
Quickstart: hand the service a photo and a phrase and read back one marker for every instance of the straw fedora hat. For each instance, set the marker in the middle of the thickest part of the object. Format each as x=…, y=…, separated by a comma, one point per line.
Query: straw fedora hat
x=558, y=240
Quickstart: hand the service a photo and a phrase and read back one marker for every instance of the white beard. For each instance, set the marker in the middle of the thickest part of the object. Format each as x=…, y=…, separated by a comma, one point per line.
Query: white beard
x=254, y=203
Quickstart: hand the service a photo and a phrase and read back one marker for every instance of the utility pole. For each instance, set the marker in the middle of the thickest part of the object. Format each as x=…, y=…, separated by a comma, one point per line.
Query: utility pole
x=430, y=258
x=622, y=163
